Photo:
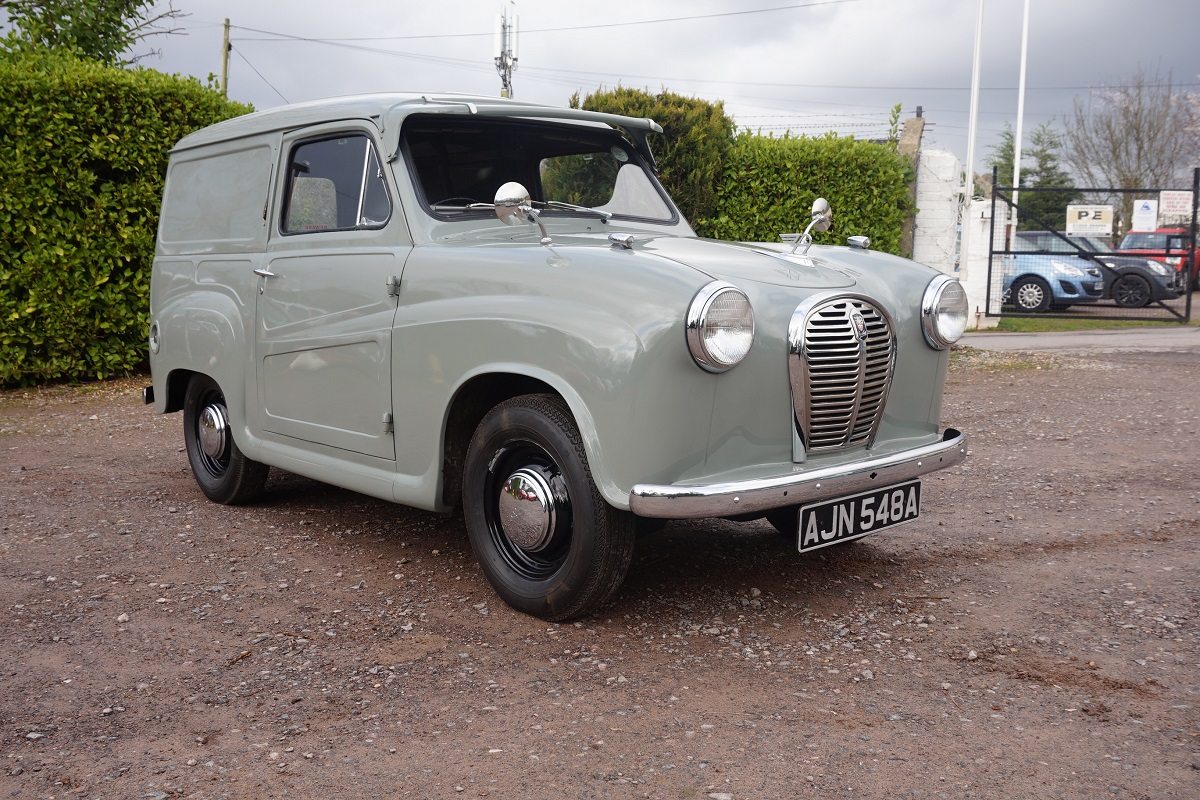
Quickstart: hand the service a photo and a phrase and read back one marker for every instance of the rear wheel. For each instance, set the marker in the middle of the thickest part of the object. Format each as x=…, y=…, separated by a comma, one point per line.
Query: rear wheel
x=545, y=537
x=785, y=521
x=1031, y=295
x=223, y=472
x=1131, y=291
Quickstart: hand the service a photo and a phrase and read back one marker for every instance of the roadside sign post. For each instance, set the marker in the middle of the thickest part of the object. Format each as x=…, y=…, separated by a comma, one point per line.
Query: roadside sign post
x=1145, y=214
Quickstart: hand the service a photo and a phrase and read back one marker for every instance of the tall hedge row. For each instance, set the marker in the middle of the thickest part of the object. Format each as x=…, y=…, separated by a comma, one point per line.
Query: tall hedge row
x=748, y=187
x=82, y=160
x=692, y=152
x=769, y=185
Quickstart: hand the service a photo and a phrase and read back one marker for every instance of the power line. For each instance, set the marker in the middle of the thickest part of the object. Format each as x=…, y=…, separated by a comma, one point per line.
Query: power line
x=597, y=26
x=287, y=37
x=259, y=74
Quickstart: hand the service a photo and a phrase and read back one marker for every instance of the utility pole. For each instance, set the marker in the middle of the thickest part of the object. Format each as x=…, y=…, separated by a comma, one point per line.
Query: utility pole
x=225, y=48
x=968, y=189
x=1017, y=139
x=506, y=46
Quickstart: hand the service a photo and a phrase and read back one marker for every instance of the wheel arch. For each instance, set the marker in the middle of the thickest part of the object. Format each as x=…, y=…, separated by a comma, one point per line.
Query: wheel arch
x=176, y=386
x=193, y=330
x=482, y=391
x=1030, y=276
x=1026, y=277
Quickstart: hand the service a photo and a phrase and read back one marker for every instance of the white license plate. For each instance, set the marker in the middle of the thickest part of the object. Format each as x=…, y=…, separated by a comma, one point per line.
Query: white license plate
x=845, y=518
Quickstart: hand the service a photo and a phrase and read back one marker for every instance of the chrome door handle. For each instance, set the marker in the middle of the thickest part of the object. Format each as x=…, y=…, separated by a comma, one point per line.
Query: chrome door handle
x=265, y=273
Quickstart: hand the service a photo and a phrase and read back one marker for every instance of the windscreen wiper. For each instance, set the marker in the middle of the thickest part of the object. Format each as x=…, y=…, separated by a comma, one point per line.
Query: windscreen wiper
x=605, y=215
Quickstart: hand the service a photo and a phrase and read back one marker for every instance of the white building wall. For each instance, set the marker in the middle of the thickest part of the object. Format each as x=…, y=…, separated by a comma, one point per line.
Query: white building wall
x=935, y=235
x=974, y=275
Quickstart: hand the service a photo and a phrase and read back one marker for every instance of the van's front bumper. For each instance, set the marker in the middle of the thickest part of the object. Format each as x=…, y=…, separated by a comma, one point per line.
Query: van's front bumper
x=682, y=501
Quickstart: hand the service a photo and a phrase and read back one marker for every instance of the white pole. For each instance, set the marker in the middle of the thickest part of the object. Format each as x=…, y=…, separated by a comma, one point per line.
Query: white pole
x=969, y=185
x=1020, y=117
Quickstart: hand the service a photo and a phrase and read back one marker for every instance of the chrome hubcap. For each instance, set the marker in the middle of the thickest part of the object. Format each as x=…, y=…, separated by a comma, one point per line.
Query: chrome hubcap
x=213, y=431
x=527, y=509
x=1030, y=296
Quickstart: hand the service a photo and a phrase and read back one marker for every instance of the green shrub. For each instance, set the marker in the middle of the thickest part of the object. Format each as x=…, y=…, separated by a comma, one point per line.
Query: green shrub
x=82, y=161
x=692, y=152
x=770, y=183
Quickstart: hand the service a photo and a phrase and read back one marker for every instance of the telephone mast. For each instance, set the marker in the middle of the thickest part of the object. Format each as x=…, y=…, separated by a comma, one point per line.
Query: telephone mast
x=506, y=46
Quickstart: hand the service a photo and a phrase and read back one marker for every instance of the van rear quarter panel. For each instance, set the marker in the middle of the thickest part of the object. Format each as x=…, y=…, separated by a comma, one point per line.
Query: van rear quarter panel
x=211, y=236
x=215, y=198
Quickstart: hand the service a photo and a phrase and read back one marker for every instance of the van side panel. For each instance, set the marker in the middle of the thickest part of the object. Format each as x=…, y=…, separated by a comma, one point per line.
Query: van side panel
x=211, y=236
x=215, y=199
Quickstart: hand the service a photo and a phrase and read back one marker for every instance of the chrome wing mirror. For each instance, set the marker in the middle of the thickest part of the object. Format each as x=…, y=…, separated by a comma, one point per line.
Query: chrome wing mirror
x=822, y=220
x=513, y=207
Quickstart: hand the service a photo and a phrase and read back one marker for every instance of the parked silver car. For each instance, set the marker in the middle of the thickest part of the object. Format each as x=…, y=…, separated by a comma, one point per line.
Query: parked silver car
x=471, y=302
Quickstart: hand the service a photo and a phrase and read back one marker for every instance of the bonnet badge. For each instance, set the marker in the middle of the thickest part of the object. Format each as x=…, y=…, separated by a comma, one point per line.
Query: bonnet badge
x=860, y=326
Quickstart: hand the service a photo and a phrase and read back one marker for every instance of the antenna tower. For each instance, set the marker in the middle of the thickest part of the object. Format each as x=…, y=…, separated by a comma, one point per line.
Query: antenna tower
x=506, y=46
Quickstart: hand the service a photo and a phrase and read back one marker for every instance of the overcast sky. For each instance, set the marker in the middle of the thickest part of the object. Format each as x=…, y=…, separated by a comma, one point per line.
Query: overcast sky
x=832, y=65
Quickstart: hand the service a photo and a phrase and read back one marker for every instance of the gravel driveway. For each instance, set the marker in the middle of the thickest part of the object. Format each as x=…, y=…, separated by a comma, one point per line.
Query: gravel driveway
x=1032, y=635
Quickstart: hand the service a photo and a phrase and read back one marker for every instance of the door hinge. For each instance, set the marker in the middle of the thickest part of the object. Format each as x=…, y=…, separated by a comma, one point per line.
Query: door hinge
x=393, y=286
x=388, y=427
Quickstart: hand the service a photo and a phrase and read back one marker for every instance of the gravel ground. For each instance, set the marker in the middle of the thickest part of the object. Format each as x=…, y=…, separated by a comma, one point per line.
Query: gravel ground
x=1032, y=635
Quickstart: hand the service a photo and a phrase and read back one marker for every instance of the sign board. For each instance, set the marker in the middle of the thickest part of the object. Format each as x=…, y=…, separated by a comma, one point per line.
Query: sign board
x=1145, y=214
x=1176, y=206
x=1090, y=220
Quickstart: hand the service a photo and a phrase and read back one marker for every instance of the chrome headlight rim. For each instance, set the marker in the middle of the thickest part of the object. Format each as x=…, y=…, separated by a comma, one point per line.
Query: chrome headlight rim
x=697, y=315
x=930, y=314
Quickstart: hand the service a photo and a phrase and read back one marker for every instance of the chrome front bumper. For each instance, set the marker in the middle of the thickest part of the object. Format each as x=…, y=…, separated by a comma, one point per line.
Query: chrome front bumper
x=753, y=496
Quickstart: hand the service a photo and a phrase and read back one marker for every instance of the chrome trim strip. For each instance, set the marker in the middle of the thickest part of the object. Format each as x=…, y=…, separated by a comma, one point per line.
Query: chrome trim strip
x=753, y=496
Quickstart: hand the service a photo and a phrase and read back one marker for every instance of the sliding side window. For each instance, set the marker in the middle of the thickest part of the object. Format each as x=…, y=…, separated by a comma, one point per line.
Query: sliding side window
x=335, y=184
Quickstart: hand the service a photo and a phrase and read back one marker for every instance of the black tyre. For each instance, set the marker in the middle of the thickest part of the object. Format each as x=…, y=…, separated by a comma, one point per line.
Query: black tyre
x=225, y=475
x=1131, y=291
x=785, y=521
x=1031, y=294
x=547, y=541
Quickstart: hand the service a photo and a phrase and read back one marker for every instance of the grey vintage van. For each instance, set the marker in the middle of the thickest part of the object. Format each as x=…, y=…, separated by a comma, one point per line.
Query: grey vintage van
x=469, y=302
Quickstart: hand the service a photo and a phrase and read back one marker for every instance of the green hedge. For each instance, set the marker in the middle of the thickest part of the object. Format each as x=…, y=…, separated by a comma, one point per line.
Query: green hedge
x=82, y=160
x=750, y=187
x=692, y=152
x=769, y=186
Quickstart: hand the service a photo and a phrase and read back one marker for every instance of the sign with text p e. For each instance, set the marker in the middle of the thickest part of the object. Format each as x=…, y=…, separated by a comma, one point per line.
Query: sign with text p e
x=1090, y=220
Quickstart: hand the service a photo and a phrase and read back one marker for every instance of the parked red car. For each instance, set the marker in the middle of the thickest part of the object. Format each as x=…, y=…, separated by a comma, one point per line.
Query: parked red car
x=1168, y=245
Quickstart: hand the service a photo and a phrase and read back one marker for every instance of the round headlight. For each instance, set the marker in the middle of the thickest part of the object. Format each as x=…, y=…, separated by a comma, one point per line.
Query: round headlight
x=943, y=312
x=720, y=327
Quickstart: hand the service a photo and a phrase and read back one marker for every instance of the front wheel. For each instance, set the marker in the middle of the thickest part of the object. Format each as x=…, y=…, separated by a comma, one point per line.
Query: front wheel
x=1131, y=291
x=1031, y=295
x=545, y=538
x=223, y=472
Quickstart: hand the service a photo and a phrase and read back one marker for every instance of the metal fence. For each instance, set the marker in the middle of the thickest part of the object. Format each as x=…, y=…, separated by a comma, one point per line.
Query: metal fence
x=1093, y=253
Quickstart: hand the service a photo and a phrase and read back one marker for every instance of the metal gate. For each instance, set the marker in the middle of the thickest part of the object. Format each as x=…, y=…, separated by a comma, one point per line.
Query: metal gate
x=1056, y=252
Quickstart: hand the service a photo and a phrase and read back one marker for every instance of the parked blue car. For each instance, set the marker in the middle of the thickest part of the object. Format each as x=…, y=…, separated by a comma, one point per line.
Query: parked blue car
x=1035, y=283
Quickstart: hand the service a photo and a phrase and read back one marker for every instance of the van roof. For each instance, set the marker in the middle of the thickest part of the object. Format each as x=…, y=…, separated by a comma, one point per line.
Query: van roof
x=388, y=110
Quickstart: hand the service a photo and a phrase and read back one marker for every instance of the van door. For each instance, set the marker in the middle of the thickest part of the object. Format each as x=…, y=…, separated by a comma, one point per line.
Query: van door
x=326, y=299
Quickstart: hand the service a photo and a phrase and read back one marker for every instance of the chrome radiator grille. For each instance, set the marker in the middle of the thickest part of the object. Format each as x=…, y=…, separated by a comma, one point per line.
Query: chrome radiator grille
x=843, y=352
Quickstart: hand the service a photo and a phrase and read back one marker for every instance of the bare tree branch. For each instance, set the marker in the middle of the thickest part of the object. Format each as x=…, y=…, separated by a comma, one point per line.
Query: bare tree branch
x=1143, y=134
